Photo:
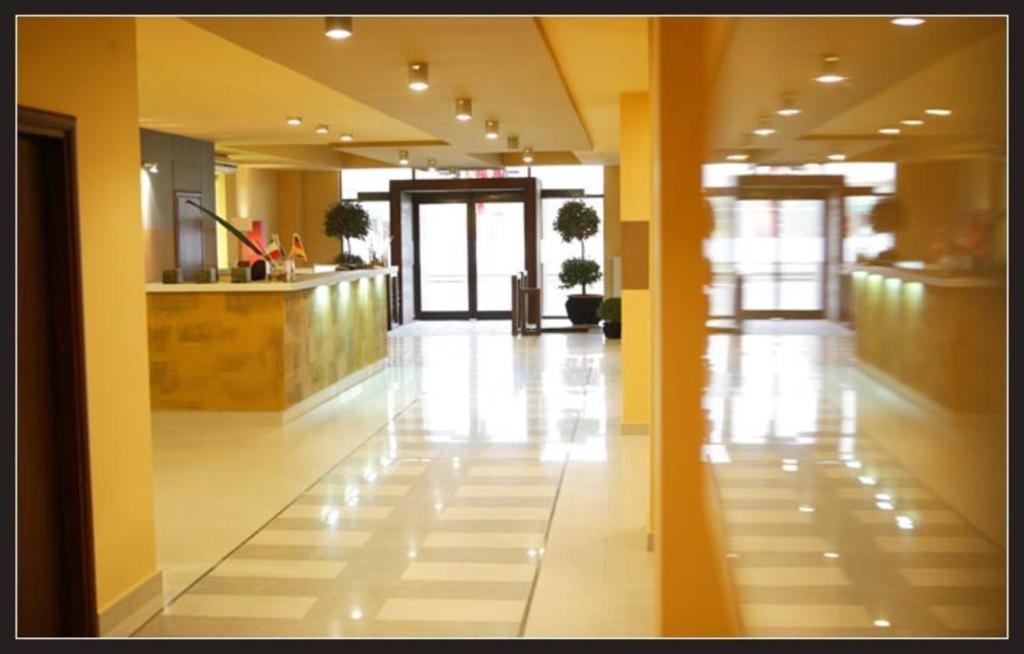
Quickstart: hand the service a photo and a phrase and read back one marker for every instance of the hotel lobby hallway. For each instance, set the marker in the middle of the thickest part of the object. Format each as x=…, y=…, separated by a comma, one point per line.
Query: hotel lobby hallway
x=439, y=523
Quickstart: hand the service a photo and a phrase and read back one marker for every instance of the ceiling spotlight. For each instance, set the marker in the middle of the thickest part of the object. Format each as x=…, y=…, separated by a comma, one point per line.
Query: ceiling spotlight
x=431, y=165
x=294, y=121
x=913, y=122
x=738, y=157
x=418, y=77
x=907, y=21
x=788, y=107
x=347, y=138
x=321, y=129
x=889, y=130
x=527, y=155
x=829, y=63
x=513, y=142
x=151, y=166
x=837, y=157
x=403, y=157
x=491, y=129
x=938, y=112
x=763, y=128
x=882, y=623
x=463, y=109
x=338, y=27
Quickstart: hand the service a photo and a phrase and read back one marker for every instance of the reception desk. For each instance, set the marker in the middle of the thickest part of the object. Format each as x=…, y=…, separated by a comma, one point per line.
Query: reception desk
x=941, y=337
x=265, y=346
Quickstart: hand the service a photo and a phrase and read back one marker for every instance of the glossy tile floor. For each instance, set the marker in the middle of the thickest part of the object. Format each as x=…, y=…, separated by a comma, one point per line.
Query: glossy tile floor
x=828, y=533
x=437, y=524
x=481, y=486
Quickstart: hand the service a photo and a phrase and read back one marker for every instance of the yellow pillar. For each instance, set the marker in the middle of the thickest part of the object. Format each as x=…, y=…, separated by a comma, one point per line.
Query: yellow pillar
x=635, y=216
x=693, y=587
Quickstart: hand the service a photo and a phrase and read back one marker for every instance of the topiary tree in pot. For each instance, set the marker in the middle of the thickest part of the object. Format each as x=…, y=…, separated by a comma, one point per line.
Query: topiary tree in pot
x=610, y=313
x=346, y=220
x=577, y=221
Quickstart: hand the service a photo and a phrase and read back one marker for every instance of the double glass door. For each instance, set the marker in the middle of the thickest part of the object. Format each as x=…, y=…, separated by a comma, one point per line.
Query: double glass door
x=467, y=249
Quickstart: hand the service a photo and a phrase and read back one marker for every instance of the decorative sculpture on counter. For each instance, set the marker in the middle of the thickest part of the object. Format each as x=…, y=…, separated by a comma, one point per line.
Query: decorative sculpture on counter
x=258, y=272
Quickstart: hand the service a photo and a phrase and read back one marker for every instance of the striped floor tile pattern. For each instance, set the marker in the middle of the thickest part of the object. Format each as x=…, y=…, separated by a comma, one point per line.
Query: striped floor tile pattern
x=826, y=534
x=436, y=526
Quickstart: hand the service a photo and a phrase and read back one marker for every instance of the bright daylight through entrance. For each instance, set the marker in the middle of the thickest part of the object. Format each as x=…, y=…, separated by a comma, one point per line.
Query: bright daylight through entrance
x=511, y=326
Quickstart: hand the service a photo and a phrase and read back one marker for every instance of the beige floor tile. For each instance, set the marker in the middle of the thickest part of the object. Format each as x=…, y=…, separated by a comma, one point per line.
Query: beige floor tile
x=954, y=577
x=470, y=490
x=337, y=511
x=495, y=513
x=513, y=471
x=790, y=576
x=242, y=606
x=909, y=542
x=434, y=571
x=451, y=610
x=455, y=539
x=748, y=493
x=339, y=490
x=778, y=544
x=278, y=568
x=732, y=471
x=768, y=516
x=921, y=517
x=897, y=494
x=806, y=615
x=992, y=618
x=312, y=537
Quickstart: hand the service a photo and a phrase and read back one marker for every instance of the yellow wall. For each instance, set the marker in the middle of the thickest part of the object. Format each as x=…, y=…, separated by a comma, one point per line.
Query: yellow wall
x=635, y=202
x=319, y=189
x=221, y=198
x=694, y=591
x=85, y=67
x=612, y=225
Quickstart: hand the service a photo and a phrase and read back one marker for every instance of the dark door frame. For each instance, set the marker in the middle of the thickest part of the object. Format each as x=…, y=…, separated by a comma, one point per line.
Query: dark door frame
x=78, y=602
x=403, y=192
x=470, y=200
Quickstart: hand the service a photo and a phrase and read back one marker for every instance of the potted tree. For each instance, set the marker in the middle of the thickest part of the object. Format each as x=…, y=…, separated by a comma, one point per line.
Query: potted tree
x=610, y=312
x=346, y=220
x=577, y=221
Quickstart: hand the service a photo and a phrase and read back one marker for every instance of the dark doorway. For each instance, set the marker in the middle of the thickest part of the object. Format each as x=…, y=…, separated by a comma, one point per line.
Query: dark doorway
x=189, y=232
x=56, y=578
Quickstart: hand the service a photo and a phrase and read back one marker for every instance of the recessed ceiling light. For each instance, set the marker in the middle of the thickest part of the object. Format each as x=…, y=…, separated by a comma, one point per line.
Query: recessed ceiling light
x=829, y=74
x=738, y=157
x=512, y=142
x=419, y=76
x=463, y=109
x=831, y=555
x=907, y=21
x=837, y=157
x=867, y=480
x=912, y=122
x=806, y=509
x=763, y=128
x=881, y=623
x=403, y=157
x=491, y=129
x=938, y=112
x=527, y=155
x=788, y=107
x=321, y=129
x=338, y=27
x=347, y=138
x=294, y=121
x=889, y=130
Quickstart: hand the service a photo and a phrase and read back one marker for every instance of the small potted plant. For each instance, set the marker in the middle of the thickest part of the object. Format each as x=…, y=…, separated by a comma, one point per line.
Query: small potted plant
x=610, y=312
x=577, y=221
x=345, y=221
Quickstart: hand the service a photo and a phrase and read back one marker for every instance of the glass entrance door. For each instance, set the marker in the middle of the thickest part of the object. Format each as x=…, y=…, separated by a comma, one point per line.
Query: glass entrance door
x=467, y=249
x=780, y=255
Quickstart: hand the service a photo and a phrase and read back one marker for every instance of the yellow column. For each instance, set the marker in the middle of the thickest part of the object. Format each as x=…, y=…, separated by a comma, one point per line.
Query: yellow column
x=693, y=588
x=635, y=216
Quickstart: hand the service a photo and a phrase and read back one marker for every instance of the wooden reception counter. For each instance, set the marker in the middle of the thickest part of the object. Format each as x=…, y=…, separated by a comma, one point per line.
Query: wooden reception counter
x=265, y=346
x=940, y=336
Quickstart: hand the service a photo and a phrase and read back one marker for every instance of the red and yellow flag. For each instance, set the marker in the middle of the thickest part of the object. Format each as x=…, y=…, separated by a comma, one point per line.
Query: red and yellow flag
x=297, y=249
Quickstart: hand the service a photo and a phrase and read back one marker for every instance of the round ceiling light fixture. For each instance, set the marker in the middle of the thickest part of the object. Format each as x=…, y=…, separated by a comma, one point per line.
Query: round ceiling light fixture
x=938, y=112
x=527, y=155
x=912, y=122
x=338, y=27
x=321, y=129
x=512, y=142
x=347, y=138
x=889, y=130
x=419, y=76
x=431, y=165
x=403, y=157
x=463, y=109
x=829, y=73
x=837, y=157
x=294, y=121
x=907, y=21
x=738, y=157
x=763, y=128
x=491, y=129
x=788, y=107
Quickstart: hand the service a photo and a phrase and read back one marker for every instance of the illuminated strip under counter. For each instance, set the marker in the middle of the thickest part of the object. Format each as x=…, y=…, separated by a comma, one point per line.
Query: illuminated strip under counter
x=912, y=275
x=307, y=280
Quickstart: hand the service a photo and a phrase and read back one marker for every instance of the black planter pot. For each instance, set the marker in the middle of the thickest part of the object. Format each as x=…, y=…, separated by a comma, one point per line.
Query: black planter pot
x=612, y=329
x=582, y=309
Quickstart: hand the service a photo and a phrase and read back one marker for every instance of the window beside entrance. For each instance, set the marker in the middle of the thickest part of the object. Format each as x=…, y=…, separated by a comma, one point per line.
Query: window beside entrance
x=357, y=181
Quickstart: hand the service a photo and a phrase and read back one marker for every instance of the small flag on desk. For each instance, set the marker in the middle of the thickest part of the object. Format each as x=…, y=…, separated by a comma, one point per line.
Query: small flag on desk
x=274, y=248
x=297, y=249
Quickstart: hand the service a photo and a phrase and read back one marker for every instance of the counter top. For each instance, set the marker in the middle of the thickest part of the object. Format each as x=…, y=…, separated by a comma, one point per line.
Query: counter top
x=304, y=280
x=928, y=277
